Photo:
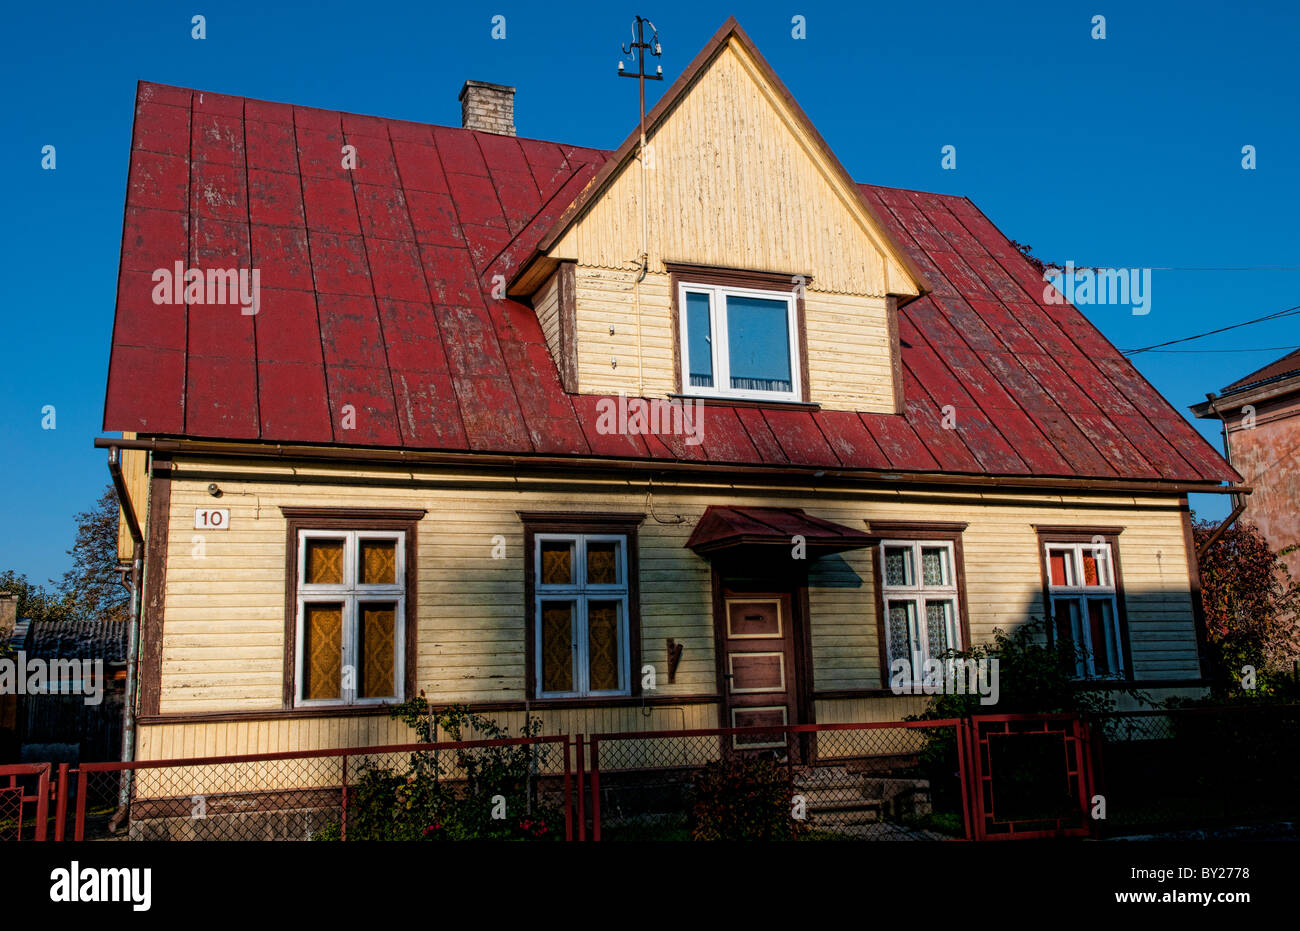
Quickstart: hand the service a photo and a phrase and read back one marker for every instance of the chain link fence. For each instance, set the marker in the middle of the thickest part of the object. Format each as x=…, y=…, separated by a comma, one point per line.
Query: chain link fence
x=1203, y=768
x=895, y=781
x=24, y=801
x=515, y=788
x=1170, y=769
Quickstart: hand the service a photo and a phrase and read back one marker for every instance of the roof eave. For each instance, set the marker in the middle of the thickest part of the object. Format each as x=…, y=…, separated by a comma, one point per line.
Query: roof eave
x=1279, y=386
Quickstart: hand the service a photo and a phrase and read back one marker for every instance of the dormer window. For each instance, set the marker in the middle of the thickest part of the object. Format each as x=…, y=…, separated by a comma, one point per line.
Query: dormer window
x=739, y=342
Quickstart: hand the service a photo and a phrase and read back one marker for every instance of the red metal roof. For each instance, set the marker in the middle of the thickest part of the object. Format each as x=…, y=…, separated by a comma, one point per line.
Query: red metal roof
x=375, y=298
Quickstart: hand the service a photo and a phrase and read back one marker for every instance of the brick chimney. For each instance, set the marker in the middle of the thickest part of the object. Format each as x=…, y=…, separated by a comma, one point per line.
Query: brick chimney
x=489, y=108
x=8, y=616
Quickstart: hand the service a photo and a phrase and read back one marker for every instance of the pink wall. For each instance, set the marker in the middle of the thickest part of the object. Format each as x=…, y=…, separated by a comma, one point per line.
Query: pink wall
x=1268, y=457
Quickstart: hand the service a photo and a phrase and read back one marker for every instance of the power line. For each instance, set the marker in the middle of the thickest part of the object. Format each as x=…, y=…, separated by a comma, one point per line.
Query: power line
x=1180, y=268
x=1288, y=312
x=1257, y=349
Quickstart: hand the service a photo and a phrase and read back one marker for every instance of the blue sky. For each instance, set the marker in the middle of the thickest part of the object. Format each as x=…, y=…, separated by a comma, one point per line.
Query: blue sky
x=1121, y=152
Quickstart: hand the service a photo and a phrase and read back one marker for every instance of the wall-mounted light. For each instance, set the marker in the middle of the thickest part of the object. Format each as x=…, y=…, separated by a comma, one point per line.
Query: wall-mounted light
x=214, y=490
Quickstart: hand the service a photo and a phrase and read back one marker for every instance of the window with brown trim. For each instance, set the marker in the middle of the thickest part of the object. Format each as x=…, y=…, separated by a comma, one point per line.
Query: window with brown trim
x=349, y=631
x=583, y=631
x=1083, y=597
x=739, y=335
x=921, y=594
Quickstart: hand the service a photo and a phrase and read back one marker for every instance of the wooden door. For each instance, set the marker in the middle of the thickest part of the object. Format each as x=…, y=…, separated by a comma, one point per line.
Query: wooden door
x=758, y=665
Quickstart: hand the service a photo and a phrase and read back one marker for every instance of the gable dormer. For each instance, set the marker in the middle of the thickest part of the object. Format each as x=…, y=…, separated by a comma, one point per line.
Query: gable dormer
x=735, y=259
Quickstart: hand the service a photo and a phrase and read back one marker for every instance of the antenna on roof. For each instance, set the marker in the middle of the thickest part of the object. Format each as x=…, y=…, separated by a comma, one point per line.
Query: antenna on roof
x=641, y=45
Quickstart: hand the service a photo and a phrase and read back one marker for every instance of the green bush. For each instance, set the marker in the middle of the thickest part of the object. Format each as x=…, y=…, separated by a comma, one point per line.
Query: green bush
x=744, y=798
x=450, y=795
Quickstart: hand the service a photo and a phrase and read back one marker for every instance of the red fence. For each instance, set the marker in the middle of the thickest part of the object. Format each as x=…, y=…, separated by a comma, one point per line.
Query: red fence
x=1030, y=775
x=24, y=788
x=327, y=794
x=890, y=780
x=983, y=778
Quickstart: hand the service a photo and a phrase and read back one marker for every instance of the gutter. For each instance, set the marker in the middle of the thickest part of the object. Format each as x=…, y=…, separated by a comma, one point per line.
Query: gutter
x=569, y=465
x=133, y=636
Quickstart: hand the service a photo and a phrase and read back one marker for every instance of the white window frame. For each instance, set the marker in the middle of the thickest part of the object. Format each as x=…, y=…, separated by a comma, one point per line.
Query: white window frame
x=351, y=593
x=579, y=592
x=1085, y=668
x=918, y=594
x=719, y=338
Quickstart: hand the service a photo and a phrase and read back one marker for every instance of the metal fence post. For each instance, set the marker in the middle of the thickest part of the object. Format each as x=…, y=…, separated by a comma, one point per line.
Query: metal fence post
x=79, y=825
x=595, y=789
x=568, y=791
x=61, y=802
x=344, y=831
x=582, y=807
x=42, y=802
x=964, y=776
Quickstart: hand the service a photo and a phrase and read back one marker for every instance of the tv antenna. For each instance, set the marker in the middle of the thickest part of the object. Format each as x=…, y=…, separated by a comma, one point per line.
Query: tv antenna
x=641, y=45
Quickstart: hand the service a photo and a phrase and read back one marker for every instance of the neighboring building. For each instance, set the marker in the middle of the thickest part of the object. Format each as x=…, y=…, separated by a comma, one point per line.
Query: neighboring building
x=1261, y=436
x=8, y=700
x=79, y=717
x=422, y=464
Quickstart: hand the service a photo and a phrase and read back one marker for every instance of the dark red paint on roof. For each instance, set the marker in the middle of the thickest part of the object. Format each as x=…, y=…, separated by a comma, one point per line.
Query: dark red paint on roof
x=377, y=325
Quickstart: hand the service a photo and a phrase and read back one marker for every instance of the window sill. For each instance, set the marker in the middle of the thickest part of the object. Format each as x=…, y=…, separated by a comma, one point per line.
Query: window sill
x=713, y=400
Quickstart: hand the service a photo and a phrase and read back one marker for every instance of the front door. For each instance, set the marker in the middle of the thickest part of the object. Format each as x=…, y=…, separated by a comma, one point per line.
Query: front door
x=758, y=665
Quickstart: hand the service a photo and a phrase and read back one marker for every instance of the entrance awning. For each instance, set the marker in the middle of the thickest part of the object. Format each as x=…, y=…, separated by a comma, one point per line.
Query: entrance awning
x=732, y=529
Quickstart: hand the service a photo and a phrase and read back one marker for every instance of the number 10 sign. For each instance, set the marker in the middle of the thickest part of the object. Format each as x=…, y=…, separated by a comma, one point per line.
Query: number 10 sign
x=211, y=518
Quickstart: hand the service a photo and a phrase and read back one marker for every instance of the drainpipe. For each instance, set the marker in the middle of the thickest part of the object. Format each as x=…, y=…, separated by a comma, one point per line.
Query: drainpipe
x=133, y=637
x=1237, y=498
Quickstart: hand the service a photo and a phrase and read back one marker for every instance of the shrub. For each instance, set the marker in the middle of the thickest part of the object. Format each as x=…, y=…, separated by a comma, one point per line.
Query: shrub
x=1252, y=615
x=744, y=798
x=453, y=794
x=1035, y=676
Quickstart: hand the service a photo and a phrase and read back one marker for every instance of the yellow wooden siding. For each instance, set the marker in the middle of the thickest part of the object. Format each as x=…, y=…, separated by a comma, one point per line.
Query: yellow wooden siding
x=734, y=180
x=546, y=304
x=224, y=615
x=135, y=475
x=607, y=300
x=850, y=354
x=849, y=350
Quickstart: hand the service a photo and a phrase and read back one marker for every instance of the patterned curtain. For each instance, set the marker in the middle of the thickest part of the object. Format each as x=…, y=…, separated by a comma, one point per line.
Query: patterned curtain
x=900, y=646
x=324, y=562
x=557, y=646
x=602, y=563
x=897, y=566
x=936, y=627
x=557, y=564
x=377, y=644
x=378, y=562
x=602, y=644
x=322, y=650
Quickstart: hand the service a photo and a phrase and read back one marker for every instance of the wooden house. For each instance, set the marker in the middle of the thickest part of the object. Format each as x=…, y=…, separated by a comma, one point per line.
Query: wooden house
x=700, y=435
